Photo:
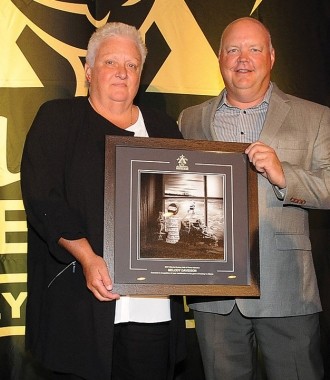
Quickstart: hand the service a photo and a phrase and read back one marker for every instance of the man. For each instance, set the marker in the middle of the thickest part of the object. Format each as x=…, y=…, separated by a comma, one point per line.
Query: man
x=290, y=149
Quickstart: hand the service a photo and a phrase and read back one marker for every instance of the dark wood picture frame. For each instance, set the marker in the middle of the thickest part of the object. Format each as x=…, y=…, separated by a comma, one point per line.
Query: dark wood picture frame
x=211, y=248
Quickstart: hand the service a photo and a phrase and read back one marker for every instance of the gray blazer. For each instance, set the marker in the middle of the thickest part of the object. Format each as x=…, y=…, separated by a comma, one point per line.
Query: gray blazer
x=299, y=131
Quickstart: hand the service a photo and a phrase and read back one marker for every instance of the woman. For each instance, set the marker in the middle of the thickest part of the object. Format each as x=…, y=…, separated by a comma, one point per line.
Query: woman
x=75, y=324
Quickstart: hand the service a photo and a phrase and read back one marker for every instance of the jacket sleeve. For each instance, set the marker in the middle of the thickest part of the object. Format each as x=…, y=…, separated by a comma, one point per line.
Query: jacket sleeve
x=307, y=170
x=43, y=178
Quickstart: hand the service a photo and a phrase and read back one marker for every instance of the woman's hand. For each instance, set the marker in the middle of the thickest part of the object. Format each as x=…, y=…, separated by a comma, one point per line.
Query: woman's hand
x=94, y=267
x=97, y=277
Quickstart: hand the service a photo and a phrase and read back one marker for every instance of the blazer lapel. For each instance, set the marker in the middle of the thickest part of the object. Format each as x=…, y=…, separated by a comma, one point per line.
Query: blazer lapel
x=208, y=113
x=278, y=109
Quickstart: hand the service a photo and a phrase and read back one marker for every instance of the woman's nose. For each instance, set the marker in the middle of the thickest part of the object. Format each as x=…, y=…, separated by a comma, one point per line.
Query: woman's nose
x=121, y=72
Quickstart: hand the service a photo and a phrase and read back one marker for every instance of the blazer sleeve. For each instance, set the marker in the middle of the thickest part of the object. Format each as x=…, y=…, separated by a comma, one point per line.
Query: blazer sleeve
x=308, y=178
x=43, y=178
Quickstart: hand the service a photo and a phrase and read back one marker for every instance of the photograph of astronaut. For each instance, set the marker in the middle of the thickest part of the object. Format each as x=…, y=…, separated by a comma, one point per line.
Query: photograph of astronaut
x=182, y=215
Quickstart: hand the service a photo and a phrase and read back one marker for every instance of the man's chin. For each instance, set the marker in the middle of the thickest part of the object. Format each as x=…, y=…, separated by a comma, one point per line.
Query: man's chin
x=242, y=86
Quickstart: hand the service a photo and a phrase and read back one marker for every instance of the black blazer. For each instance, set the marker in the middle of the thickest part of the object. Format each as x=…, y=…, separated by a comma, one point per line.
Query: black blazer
x=62, y=178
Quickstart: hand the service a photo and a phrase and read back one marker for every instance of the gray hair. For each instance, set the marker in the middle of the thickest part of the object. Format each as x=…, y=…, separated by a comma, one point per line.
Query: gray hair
x=114, y=29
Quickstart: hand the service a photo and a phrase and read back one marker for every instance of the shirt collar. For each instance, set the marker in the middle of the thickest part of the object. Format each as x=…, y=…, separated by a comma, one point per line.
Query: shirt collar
x=266, y=98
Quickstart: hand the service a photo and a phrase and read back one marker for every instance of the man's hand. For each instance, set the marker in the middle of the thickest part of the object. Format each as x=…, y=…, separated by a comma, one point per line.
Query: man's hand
x=266, y=162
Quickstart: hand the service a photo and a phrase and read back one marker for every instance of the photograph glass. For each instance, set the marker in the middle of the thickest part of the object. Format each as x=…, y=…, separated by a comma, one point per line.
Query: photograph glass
x=189, y=218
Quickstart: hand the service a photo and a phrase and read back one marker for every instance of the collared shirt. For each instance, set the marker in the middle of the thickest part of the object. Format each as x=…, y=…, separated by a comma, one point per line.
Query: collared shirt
x=240, y=125
x=232, y=124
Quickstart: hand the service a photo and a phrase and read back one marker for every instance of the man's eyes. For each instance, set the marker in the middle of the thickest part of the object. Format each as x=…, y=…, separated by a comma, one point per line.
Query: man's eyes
x=233, y=50
x=236, y=50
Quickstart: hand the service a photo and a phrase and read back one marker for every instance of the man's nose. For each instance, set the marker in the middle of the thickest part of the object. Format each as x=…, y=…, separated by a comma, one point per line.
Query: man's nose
x=243, y=57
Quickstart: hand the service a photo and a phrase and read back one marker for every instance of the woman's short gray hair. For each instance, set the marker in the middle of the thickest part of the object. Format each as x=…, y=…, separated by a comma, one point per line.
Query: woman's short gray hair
x=114, y=29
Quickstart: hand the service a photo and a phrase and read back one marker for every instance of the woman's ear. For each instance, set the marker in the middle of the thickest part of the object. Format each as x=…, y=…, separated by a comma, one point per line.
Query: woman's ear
x=88, y=72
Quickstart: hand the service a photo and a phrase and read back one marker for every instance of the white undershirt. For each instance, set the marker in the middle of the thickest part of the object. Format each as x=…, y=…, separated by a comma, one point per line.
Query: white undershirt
x=135, y=308
x=138, y=128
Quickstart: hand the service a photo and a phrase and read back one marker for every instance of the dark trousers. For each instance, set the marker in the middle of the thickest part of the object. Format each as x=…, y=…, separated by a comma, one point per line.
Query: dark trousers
x=140, y=352
x=290, y=346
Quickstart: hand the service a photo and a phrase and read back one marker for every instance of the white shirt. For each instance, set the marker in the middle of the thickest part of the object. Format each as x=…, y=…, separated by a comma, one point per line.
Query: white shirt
x=137, y=308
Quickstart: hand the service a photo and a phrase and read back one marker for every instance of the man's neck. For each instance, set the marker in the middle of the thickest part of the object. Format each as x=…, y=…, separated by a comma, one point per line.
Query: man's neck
x=244, y=99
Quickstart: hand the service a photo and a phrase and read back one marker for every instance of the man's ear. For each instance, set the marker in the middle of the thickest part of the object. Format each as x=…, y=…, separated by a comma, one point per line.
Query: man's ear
x=272, y=56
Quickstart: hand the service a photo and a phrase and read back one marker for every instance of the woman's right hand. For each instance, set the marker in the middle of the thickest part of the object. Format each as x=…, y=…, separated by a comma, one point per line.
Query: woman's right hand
x=97, y=277
x=95, y=269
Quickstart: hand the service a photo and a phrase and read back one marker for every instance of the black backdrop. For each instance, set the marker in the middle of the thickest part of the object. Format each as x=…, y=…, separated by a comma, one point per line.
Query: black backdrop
x=42, y=58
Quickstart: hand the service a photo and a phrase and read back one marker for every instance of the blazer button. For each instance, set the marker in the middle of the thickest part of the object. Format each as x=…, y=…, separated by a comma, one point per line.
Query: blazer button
x=298, y=201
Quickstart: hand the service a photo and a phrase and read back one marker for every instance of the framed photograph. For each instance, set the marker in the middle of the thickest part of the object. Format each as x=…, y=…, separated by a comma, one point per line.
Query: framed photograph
x=180, y=217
